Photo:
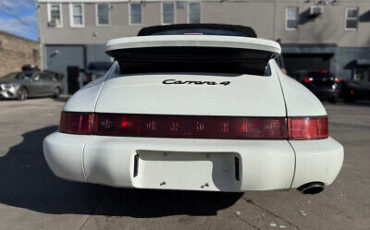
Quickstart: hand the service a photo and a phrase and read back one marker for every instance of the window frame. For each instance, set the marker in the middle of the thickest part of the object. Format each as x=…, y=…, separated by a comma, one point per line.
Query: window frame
x=60, y=13
x=200, y=10
x=97, y=13
x=347, y=18
x=287, y=19
x=46, y=77
x=141, y=14
x=71, y=15
x=162, y=12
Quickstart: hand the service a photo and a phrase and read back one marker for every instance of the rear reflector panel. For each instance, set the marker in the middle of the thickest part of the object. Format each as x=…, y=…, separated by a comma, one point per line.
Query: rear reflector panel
x=190, y=126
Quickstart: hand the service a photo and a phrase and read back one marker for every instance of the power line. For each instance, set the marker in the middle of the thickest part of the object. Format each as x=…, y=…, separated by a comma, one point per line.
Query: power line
x=10, y=13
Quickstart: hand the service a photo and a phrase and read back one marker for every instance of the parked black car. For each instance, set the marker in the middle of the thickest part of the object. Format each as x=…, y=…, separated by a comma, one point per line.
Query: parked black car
x=356, y=90
x=21, y=85
x=95, y=70
x=322, y=83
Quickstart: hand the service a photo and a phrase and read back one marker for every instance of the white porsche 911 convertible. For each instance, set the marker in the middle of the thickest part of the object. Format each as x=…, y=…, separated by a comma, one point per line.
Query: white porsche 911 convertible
x=195, y=107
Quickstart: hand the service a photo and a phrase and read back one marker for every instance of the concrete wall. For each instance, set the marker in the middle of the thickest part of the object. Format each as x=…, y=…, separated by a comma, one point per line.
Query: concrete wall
x=267, y=17
x=326, y=28
x=324, y=34
x=60, y=57
x=91, y=33
x=345, y=60
x=16, y=52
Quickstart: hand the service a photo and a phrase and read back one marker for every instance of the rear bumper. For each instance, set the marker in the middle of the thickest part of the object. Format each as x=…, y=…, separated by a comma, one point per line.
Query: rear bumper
x=325, y=93
x=192, y=164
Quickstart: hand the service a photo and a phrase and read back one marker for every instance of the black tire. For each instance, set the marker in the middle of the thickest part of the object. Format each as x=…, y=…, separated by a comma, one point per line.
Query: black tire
x=57, y=92
x=332, y=100
x=22, y=94
x=347, y=95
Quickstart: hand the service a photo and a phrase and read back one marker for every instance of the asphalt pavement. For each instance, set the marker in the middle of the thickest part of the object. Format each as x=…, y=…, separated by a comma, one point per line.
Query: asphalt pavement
x=31, y=197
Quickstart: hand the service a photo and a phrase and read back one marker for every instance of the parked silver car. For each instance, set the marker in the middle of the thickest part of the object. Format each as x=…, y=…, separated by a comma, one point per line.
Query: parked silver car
x=21, y=85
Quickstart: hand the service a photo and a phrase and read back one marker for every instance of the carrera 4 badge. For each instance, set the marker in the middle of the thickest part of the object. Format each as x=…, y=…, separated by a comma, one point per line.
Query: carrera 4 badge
x=179, y=82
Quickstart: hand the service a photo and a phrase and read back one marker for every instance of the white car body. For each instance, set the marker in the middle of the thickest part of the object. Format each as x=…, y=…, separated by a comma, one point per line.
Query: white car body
x=194, y=163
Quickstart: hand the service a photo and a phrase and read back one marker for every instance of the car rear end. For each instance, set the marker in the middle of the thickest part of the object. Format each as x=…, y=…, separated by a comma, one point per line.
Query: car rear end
x=323, y=84
x=185, y=117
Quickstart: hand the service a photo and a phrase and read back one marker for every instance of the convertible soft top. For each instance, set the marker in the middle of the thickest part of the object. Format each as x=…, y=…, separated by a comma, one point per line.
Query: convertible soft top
x=207, y=29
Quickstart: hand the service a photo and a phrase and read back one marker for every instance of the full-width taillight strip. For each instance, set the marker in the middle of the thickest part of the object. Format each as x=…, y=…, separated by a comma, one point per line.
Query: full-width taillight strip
x=176, y=126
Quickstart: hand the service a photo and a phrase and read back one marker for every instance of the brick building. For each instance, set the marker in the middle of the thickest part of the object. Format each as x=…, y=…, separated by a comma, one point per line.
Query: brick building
x=16, y=52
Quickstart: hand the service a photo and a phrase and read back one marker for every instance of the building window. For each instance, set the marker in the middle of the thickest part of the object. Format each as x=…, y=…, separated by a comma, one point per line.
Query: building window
x=77, y=15
x=291, y=18
x=361, y=74
x=55, y=15
x=194, y=12
x=168, y=13
x=135, y=14
x=351, y=18
x=102, y=14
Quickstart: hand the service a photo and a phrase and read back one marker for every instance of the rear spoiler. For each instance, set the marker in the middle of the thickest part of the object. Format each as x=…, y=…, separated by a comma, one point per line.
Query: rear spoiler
x=192, y=52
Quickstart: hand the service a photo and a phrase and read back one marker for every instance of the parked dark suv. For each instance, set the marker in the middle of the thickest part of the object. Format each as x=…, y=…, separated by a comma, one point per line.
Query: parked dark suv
x=323, y=84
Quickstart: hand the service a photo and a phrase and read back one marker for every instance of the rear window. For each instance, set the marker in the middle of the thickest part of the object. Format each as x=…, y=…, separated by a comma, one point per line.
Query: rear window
x=320, y=75
x=99, y=66
x=321, y=78
x=193, y=59
x=199, y=28
x=24, y=75
x=201, y=31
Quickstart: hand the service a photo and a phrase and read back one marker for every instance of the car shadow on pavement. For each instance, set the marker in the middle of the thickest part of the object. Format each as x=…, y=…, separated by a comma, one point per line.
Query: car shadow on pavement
x=62, y=98
x=27, y=182
x=361, y=103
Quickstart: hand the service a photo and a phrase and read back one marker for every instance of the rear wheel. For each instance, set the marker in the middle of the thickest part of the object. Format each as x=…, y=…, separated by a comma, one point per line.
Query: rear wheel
x=57, y=92
x=22, y=94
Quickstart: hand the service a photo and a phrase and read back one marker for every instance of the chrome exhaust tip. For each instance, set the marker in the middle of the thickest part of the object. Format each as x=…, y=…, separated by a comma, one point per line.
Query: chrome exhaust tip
x=311, y=188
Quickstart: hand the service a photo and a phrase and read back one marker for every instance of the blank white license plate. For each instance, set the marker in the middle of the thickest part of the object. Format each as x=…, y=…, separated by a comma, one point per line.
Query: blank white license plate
x=187, y=170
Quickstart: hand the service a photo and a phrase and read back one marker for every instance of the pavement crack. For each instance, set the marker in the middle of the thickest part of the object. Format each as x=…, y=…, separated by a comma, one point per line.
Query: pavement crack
x=83, y=223
x=91, y=213
x=246, y=222
x=271, y=213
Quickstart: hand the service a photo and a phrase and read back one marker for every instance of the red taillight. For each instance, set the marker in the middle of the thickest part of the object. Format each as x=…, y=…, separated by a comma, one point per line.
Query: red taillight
x=76, y=123
x=306, y=79
x=190, y=126
x=173, y=126
x=338, y=80
x=308, y=128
